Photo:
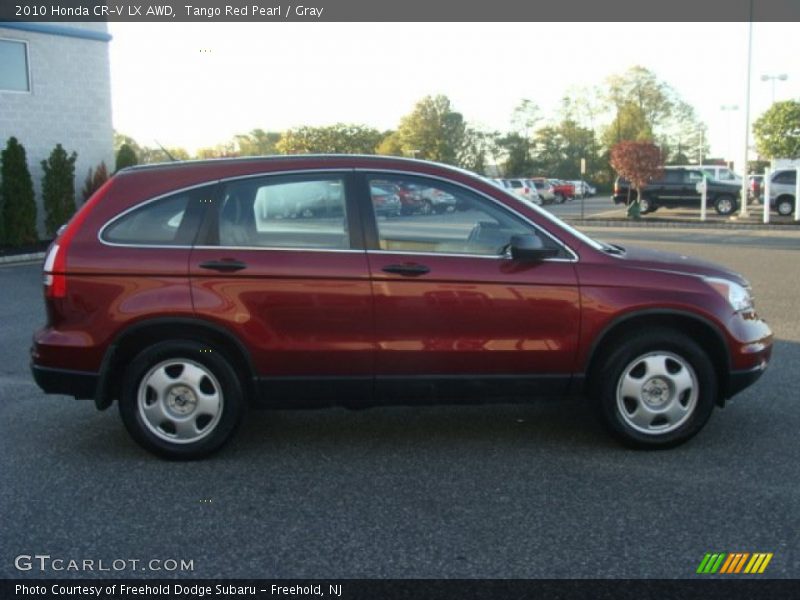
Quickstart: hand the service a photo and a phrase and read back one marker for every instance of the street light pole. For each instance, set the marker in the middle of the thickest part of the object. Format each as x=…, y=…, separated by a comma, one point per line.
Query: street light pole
x=743, y=196
x=727, y=108
x=773, y=79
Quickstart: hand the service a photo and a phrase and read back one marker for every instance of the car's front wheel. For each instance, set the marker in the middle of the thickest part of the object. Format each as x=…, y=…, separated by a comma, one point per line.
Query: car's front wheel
x=181, y=399
x=656, y=389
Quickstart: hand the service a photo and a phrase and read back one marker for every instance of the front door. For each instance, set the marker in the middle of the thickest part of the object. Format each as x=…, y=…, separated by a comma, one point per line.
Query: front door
x=454, y=314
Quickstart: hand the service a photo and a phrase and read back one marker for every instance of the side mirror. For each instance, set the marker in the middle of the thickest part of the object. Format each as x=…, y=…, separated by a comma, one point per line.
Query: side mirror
x=529, y=247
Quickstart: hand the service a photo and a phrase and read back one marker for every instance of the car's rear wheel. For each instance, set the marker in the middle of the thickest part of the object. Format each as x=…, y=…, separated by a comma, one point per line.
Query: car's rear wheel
x=560, y=199
x=181, y=399
x=645, y=205
x=725, y=205
x=656, y=389
x=784, y=205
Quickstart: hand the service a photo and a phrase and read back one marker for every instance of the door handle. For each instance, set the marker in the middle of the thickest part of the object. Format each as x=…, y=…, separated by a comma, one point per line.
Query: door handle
x=413, y=269
x=223, y=265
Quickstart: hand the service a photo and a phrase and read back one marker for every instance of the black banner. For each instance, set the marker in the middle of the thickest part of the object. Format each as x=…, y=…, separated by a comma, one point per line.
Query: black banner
x=405, y=10
x=416, y=589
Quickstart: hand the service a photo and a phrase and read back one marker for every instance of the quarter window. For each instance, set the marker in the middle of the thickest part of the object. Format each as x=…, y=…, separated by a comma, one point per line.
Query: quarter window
x=162, y=222
x=441, y=218
x=282, y=212
x=14, y=66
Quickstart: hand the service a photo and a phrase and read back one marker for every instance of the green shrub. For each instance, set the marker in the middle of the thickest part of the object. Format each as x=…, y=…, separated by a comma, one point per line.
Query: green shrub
x=58, y=188
x=126, y=157
x=16, y=191
x=94, y=180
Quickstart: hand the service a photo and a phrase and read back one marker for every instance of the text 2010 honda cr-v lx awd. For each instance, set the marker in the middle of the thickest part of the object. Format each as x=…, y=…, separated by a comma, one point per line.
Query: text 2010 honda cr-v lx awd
x=188, y=291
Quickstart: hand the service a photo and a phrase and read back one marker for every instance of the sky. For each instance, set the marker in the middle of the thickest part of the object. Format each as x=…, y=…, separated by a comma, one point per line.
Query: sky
x=198, y=84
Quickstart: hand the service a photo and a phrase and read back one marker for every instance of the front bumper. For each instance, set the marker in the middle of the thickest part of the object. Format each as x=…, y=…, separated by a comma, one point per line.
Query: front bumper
x=739, y=380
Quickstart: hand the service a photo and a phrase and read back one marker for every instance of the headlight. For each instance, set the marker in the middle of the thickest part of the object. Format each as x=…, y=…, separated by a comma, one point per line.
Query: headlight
x=737, y=296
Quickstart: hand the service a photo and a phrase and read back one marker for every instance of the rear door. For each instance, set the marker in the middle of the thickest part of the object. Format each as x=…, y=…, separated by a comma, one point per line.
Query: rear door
x=454, y=316
x=281, y=264
x=691, y=177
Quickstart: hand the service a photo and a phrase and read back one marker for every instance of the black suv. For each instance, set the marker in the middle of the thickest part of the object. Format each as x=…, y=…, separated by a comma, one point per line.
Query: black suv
x=677, y=187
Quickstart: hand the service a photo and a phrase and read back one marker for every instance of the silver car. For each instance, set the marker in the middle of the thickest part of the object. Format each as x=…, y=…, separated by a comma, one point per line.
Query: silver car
x=782, y=189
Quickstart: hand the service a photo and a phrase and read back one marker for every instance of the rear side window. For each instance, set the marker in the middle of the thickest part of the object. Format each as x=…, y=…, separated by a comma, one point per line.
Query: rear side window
x=785, y=177
x=168, y=221
x=516, y=183
x=285, y=212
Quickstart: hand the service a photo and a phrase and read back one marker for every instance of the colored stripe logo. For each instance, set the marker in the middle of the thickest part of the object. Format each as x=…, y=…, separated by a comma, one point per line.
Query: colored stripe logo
x=734, y=563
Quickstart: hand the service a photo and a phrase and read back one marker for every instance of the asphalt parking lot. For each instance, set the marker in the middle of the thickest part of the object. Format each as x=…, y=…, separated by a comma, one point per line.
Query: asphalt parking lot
x=508, y=491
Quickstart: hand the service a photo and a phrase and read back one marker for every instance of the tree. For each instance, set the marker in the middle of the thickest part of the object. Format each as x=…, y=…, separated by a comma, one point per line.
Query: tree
x=340, y=138
x=478, y=146
x=517, y=149
x=433, y=131
x=58, y=188
x=126, y=157
x=227, y=150
x=777, y=131
x=524, y=117
x=560, y=148
x=638, y=162
x=258, y=142
x=149, y=155
x=644, y=108
x=390, y=145
x=121, y=139
x=16, y=192
x=94, y=180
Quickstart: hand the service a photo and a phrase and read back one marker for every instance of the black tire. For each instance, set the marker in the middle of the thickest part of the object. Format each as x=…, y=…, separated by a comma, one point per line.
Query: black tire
x=784, y=205
x=220, y=380
x=608, y=379
x=426, y=208
x=725, y=205
x=560, y=199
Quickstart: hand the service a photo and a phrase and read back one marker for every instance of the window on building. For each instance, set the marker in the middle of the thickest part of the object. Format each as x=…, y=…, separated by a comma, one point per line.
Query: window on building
x=14, y=66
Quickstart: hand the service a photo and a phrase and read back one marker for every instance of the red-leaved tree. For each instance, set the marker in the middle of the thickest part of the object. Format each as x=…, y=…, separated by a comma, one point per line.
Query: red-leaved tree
x=638, y=162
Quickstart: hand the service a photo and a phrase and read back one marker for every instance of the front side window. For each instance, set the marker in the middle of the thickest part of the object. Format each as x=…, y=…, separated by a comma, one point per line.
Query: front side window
x=14, y=66
x=448, y=219
x=162, y=222
x=281, y=212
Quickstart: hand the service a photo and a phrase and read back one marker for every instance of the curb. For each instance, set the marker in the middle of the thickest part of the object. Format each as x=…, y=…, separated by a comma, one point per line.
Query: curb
x=684, y=224
x=21, y=258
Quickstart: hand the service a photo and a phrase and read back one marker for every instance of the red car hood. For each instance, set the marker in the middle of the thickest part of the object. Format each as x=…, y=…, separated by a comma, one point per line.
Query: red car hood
x=645, y=258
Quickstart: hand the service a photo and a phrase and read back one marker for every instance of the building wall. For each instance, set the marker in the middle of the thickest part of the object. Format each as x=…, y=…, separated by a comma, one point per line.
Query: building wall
x=69, y=102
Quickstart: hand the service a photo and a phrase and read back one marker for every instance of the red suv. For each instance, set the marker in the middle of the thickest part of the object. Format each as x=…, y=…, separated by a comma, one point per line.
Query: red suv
x=190, y=291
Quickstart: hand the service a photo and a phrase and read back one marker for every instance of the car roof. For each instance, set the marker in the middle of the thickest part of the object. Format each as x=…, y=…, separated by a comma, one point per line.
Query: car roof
x=236, y=166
